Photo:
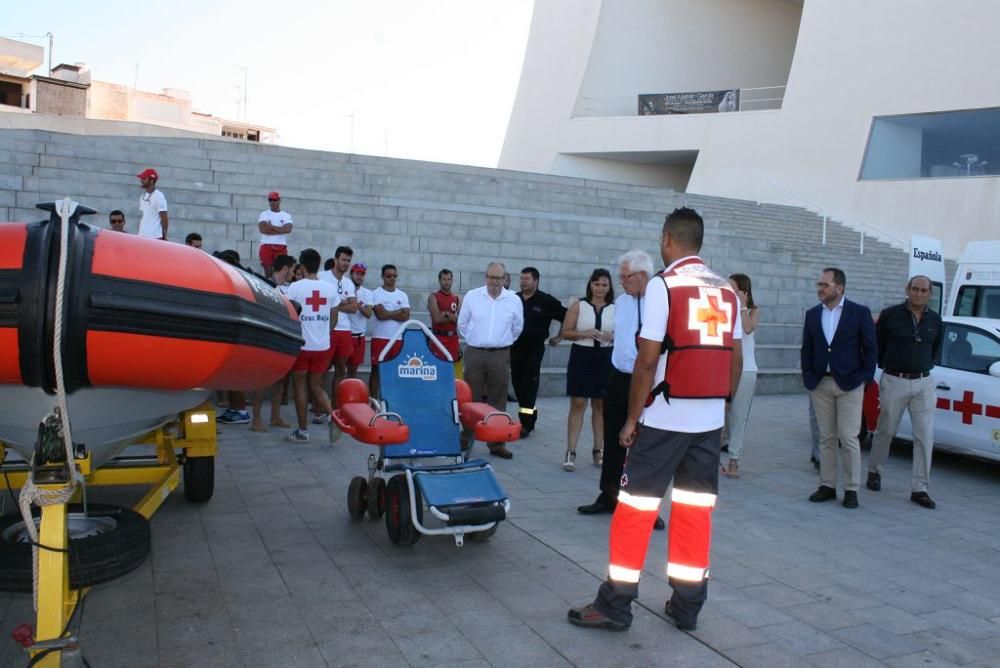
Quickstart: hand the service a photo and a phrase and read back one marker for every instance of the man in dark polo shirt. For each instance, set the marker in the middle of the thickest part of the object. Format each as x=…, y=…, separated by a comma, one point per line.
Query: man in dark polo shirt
x=909, y=337
x=540, y=309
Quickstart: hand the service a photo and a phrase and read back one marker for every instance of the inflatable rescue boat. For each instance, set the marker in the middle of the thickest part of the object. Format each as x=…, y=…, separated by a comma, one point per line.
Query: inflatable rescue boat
x=149, y=329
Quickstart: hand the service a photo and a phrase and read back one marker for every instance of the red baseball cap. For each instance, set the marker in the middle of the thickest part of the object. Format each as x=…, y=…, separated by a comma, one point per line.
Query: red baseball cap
x=274, y=194
x=359, y=267
x=148, y=174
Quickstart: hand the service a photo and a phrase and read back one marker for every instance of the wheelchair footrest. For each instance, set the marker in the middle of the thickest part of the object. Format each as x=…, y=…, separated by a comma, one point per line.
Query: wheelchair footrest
x=475, y=515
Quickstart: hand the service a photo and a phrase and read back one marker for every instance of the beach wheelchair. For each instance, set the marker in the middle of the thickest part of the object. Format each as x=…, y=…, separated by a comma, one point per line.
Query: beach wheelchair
x=418, y=431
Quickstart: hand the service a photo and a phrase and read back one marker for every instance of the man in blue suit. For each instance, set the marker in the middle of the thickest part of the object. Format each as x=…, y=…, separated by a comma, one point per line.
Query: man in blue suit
x=838, y=357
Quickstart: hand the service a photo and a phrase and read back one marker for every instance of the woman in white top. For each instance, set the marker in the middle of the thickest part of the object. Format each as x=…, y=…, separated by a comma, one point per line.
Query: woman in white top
x=739, y=408
x=590, y=325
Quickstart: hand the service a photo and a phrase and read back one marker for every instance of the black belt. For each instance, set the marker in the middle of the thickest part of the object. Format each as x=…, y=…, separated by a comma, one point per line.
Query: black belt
x=905, y=375
x=357, y=336
x=450, y=333
x=490, y=350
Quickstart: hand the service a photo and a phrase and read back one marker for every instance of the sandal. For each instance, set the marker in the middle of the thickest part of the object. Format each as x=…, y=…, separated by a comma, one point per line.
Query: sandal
x=280, y=423
x=259, y=428
x=598, y=457
x=570, y=463
x=734, y=469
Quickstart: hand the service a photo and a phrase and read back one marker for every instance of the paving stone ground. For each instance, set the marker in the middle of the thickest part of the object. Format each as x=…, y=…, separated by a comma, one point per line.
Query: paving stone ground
x=271, y=572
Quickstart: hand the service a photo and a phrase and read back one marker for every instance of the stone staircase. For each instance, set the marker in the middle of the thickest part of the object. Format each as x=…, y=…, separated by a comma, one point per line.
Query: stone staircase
x=425, y=216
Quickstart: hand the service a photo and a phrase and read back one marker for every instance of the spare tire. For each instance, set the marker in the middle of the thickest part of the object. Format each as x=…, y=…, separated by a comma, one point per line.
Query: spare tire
x=105, y=544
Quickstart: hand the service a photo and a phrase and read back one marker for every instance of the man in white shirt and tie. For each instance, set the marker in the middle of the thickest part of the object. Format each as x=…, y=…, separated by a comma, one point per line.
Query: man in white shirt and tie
x=491, y=319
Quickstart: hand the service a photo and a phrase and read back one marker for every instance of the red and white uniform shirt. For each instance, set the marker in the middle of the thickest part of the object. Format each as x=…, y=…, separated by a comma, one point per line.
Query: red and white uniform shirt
x=318, y=299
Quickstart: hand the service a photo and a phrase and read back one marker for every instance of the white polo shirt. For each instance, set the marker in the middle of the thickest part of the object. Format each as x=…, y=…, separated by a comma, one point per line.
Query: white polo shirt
x=485, y=322
x=151, y=204
x=274, y=219
x=345, y=290
x=691, y=416
x=390, y=301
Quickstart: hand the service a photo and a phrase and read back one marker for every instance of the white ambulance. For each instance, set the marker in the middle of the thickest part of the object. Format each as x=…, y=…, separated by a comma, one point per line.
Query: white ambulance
x=967, y=368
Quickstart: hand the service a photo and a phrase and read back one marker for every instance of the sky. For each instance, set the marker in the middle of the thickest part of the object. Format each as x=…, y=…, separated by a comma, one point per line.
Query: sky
x=422, y=79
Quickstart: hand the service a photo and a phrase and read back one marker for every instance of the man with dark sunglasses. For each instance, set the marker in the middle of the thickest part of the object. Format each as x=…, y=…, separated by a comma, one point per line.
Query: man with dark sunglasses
x=275, y=225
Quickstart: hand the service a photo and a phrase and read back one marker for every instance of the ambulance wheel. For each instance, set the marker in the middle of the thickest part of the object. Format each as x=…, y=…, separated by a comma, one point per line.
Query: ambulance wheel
x=376, y=498
x=357, y=497
x=199, y=478
x=105, y=544
x=483, y=536
x=398, y=521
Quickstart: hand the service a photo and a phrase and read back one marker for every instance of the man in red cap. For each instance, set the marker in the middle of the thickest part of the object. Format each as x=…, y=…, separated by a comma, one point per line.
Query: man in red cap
x=360, y=318
x=275, y=225
x=153, y=206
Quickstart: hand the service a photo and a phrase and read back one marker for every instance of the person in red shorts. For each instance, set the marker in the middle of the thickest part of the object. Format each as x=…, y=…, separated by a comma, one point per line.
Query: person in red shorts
x=360, y=318
x=444, y=306
x=391, y=308
x=275, y=225
x=341, y=341
x=319, y=303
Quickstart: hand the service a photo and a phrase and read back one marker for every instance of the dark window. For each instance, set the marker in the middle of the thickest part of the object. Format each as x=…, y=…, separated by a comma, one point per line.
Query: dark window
x=978, y=301
x=10, y=93
x=969, y=349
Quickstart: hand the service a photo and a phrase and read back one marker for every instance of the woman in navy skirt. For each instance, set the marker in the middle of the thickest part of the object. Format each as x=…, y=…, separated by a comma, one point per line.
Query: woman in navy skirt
x=589, y=324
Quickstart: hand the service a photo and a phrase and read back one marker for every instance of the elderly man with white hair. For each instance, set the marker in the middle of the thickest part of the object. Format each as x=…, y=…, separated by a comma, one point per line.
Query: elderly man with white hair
x=634, y=271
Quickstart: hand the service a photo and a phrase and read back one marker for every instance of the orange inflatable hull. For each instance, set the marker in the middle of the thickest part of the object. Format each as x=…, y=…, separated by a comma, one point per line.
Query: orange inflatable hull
x=139, y=313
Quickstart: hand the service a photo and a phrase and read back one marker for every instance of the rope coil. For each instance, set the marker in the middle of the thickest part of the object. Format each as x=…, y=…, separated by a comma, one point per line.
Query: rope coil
x=58, y=420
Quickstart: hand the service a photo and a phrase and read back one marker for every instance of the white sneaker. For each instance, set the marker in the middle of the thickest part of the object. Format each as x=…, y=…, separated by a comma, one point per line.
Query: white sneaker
x=570, y=463
x=298, y=436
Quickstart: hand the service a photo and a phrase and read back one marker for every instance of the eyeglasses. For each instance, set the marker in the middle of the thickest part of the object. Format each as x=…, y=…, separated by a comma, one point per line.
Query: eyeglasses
x=389, y=275
x=825, y=285
x=624, y=277
x=494, y=278
x=269, y=199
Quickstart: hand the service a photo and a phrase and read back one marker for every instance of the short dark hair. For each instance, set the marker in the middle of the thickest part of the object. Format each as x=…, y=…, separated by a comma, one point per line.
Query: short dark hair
x=283, y=261
x=531, y=270
x=328, y=265
x=839, y=278
x=686, y=227
x=194, y=236
x=347, y=250
x=387, y=267
x=116, y=212
x=601, y=273
x=930, y=283
x=310, y=259
x=444, y=272
x=229, y=257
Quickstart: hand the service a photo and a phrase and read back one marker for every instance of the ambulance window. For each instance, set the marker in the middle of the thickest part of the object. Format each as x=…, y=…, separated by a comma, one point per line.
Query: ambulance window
x=969, y=349
x=990, y=303
x=966, y=303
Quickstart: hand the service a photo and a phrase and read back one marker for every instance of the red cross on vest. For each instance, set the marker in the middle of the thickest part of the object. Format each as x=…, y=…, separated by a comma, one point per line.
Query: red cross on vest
x=315, y=300
x=713, y=316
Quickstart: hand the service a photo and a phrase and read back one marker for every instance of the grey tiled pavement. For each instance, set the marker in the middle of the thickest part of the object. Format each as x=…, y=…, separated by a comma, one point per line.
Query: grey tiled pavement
x=271, y=572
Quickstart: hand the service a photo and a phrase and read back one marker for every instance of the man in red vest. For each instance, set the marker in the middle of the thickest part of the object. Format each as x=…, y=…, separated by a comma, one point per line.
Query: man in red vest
x=444, y=306
x=688, y=366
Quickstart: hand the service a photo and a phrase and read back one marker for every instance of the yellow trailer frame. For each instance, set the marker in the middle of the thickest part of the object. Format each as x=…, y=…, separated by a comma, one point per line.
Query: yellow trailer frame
x=193, y=433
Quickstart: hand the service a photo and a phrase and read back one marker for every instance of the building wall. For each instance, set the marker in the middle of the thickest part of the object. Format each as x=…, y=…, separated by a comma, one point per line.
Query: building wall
x=853, y=60
x=59, y=100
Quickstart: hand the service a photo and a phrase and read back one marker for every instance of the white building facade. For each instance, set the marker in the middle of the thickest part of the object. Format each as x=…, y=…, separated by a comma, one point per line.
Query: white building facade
x=883, y=115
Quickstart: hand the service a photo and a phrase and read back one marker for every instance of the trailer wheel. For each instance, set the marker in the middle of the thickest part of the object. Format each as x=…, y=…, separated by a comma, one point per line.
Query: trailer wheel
x=357, y=497
x=199, y=478
x=105, y=544
x=376, y=498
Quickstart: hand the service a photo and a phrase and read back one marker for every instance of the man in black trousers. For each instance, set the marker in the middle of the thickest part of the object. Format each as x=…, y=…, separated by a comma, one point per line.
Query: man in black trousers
x=540, y=309
x=634, y=271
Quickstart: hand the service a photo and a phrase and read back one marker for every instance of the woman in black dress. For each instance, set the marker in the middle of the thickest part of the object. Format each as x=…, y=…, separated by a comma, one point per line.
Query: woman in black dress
x=589, y=324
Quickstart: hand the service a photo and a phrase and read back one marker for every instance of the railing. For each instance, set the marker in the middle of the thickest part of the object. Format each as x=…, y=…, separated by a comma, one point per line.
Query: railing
x=751, y=99
x=812, y=205
x=821, y=211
